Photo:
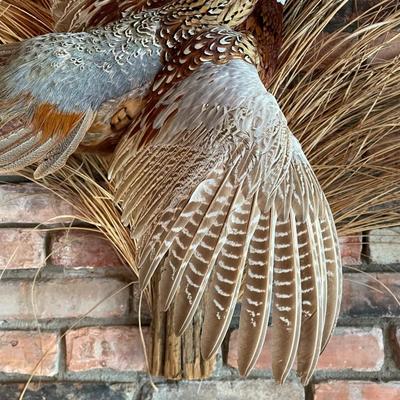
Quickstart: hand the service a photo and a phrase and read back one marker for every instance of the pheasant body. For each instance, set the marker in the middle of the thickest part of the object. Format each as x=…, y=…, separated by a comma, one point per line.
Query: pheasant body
x=54, y=86
x=124, y=55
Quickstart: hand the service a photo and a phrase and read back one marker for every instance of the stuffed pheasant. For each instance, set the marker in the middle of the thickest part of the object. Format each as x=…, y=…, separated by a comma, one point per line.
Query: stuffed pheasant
x=219, y=195
x=216, y=190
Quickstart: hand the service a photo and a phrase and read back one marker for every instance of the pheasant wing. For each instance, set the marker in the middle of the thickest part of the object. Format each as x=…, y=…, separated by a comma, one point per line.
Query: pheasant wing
x=219, y=195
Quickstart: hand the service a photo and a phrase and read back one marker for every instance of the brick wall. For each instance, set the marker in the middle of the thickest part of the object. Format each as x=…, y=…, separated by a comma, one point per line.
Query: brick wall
x=69, y=316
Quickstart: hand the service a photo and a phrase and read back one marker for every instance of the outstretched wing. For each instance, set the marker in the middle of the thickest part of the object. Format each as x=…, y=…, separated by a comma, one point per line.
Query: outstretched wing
x=80, y=15
x=52, y=86
x=223, y=200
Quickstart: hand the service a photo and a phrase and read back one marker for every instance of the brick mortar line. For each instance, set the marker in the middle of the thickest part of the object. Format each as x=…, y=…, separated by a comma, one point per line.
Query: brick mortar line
x=49, y=325
x=141, y=378
x=393, y=268
x=62, y=361
x=53, y=272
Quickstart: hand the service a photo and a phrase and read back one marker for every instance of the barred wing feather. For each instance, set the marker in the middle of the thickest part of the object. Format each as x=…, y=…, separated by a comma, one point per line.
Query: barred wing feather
x=222, y=198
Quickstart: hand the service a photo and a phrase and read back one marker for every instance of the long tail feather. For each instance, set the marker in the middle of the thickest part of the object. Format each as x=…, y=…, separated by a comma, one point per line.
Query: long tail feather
x=256, y=299
x=286, y=314
x=313, y=294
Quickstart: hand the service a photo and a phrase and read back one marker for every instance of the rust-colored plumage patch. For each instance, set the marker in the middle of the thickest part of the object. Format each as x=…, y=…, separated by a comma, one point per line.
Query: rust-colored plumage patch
x=49, y=121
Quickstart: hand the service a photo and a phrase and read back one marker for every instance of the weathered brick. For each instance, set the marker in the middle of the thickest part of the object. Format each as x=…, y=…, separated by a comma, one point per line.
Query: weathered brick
x=240, y=389
x=116, y=347
x=73, y=249
x=68, y=298
x=381, y=391
x=384, y=246
x=29, y=203
x=374, y=294
x=350, y=249
x=21, y=351
x=71, y=391
x=22, y=249
x=367, y=344
x=354, y=349
x=332, y=390
x=353, y=390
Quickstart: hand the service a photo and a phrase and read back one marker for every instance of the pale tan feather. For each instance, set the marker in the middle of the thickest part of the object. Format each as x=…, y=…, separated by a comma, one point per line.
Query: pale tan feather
x=200, y=266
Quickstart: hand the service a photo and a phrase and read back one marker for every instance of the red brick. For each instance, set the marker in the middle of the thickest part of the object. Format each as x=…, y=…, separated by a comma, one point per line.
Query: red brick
x=145, y=312
x=373, y=294
x=350, y=248
x=21, y=351
x=22, y=249
x=332, y=390
x=29, y=203
x=353, y=390
x=116, y=348
x=354, y=349
x=82, y=249
x=68, y=298
x=339, y=354
x=381, y=391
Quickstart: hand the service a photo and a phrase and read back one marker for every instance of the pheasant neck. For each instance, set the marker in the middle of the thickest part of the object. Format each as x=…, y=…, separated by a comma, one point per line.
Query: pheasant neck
x=214, y=12
x=266, y=25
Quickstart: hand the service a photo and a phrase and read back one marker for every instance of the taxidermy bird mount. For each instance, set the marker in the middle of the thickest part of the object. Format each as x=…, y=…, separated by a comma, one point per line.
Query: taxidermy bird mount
x=216, y=190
